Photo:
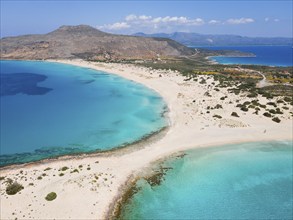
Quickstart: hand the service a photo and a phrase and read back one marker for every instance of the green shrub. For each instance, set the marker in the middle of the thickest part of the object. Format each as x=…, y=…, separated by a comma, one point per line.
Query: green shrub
x=51, y=196
x=64, y=168
x=218, y=106
x=75, y=171
x=61, y=174
x=272, y=111
x=267, y=114
x=278, y=111
x=48, y=168
x=276, y=119
x=272, y=103
x=234, y=114
x=243, y=108
x=13, y=188
x=217, y=116
x=2, y=178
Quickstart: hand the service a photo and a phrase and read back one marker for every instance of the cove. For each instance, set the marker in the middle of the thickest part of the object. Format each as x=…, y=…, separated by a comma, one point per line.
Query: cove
x=50, y=109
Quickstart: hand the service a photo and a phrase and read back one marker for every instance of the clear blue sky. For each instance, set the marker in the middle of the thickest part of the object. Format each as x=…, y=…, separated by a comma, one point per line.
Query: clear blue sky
x=248, y=18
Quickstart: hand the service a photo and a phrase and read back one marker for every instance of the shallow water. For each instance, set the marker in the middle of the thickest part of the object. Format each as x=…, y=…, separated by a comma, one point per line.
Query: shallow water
x=243, y=181
x=51, y=109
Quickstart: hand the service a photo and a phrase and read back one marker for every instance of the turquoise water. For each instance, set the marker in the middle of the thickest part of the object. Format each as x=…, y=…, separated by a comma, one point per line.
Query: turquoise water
x=243, y=181
x=265, y=55
x=51, y=109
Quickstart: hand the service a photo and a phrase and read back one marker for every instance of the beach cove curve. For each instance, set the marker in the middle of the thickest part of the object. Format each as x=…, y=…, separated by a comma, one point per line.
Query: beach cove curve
x=75, y=112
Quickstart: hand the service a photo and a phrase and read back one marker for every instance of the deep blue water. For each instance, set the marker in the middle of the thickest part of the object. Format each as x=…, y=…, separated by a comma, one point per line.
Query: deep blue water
x=51, y=109
x=25, y=83
x=243, y=181
x=265, y=55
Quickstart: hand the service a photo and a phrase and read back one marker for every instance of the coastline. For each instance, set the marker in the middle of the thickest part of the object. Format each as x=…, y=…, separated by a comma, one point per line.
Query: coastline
x=154, y=175
x=190, y=127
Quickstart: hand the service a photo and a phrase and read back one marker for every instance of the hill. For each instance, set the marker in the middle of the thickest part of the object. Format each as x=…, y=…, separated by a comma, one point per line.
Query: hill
x=86, y=42
x=194, y=39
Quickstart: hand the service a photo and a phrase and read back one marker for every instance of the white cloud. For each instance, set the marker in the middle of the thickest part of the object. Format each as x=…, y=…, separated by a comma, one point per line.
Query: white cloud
x=240, y=21
x=157, y=20
x=130, y=17
x=178, y=20
x=144, y=23
x=214, y=22
x=137, y=23
x=133, y=17
x=144, y=17
x=270, y=19
x=115, y=26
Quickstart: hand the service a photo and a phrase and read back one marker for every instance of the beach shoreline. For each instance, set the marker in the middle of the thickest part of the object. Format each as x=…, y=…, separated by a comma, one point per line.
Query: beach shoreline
x=190, y=127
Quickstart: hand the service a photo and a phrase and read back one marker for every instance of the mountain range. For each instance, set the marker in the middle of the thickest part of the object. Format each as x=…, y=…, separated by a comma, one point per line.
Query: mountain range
x=194, y=39
x=89, y=43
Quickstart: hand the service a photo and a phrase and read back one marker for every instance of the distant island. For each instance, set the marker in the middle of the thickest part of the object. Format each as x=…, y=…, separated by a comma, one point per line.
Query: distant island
x=193, y=39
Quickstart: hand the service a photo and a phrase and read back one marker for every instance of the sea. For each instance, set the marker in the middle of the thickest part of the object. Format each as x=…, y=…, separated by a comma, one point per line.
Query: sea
x=264, y=55
x=50, y=109
x=239, y=181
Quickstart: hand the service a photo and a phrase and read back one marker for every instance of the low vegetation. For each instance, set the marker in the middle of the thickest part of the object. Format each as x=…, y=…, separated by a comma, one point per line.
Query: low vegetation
x=267, y=114
x=63, y=169
x=74, y=171
x=276, y=119
x=234, y=114
x=13, y=188
x=51, y=196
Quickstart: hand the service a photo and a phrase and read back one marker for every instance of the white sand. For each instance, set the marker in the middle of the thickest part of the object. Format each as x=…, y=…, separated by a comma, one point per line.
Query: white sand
x=87, y=194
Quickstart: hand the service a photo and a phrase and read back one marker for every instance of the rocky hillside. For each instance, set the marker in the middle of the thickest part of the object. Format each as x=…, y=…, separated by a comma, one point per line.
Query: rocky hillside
x=88, y=43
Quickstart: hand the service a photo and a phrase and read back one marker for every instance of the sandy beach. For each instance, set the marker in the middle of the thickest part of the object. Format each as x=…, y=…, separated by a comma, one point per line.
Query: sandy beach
x=89, y=184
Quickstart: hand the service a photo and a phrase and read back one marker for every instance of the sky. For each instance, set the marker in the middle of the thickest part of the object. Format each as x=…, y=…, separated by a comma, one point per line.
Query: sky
x=254, y=18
